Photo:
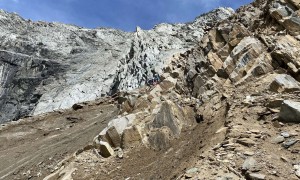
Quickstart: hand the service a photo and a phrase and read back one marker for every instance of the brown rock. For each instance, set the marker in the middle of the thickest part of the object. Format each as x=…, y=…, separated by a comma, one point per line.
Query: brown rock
x=106, y=150
x=237, y=33
x=214, y=60
x=284, y=83
x=131, y=136
x=295, y=3
x=216, y=39
x=159, y=139
x=255, y=176
x=242, y=58
x=114, y=136
x=287, y=50
x=246, y=142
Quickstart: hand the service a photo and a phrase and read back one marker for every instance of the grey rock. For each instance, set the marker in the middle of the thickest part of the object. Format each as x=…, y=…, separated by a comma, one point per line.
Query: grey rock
x=289, y=143
x=228, y=176
x=192, y=170
x=249, y=164
x=114, y=131
x=255, y=176
x=120, y=153
x=278, y=139
x=285, y=134
x=290, y=111
x=242, y=57
x=286, y=51
x=284, y=83
x=159, y=139
x=166, y=117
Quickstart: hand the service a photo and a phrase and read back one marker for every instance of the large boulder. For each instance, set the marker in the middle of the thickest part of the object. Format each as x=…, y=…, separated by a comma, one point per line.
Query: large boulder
x=163, y=125
x=131, y=136
x=290, y=111
x=159, y=139
x=104, y=148
x=284, y=83
x=169, y=115
x=113, y=132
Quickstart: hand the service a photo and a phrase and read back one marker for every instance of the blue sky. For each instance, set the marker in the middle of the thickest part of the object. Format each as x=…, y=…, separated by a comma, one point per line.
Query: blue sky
x=121, y=14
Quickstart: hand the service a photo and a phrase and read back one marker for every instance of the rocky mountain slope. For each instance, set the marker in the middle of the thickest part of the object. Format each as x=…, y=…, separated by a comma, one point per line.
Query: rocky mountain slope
x=227, y=106
x=51, y=66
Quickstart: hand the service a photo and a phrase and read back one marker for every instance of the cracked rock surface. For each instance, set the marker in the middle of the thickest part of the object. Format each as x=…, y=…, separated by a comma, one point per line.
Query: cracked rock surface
x=51, y=66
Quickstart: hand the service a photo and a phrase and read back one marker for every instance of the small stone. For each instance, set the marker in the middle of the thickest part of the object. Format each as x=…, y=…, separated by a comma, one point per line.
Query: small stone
x=249, y=153
x=188, y=176
x=289, y=143
x=216, y=146
x=284, y=159
x=120, y=153
x=246, y=142
x=223, y=129
x=255, y=131
x=277, y=140
x=192, y=171
x=281, y=124
x=255, y=176
x=77, y=106
x=292, y=134
x=249, y=164
x=285, y=134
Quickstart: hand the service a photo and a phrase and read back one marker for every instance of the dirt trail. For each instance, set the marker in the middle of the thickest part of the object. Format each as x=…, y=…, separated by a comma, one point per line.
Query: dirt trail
x=32, y=148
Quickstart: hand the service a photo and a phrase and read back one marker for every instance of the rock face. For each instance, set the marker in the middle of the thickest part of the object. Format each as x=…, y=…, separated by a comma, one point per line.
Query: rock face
x=51, y=66
x=20, y=75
